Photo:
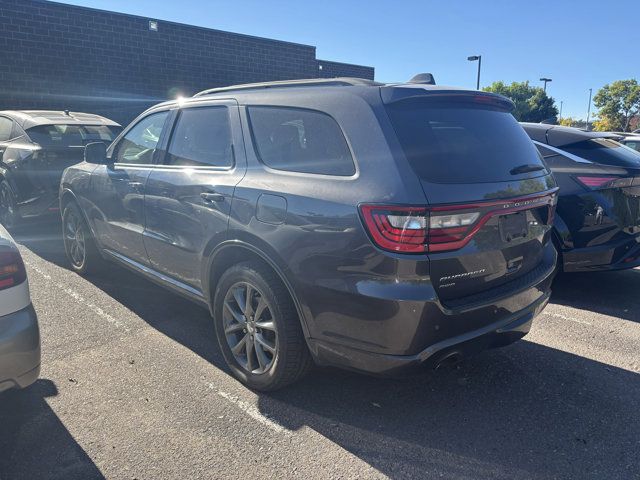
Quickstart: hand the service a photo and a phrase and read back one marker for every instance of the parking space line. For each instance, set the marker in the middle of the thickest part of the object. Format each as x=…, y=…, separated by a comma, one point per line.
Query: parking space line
x=77, y=297
x=564, y=317
x=251, y=411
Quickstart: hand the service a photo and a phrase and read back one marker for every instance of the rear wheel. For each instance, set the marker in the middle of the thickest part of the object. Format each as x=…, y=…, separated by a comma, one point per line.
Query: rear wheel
x=79, y=244
x=258, y=328
x=8, y=206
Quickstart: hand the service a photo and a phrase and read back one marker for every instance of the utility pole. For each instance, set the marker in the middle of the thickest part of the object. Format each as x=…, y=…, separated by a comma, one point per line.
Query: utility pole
x=473, y=58
x=589, y=108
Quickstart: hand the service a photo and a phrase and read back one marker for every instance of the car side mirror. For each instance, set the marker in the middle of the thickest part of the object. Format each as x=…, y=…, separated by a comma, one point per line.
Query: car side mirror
x=96, y=153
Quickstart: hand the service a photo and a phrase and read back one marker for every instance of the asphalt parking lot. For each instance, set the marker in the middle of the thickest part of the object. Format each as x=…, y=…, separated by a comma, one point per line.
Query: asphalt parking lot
x=133, y=386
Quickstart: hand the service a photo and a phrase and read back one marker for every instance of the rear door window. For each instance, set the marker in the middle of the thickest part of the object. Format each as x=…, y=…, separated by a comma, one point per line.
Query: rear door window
x=605, y=151
x=463, y=143
x=300, y=140
x=202, y=137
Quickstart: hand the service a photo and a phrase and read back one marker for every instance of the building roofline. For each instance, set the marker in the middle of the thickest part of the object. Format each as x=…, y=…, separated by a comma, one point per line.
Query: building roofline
x=345, y=63
x=180, y=24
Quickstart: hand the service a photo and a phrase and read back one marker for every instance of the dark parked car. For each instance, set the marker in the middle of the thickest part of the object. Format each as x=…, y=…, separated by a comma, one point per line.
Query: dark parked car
x=597, y=223
x=35, y=147
x=369, y=226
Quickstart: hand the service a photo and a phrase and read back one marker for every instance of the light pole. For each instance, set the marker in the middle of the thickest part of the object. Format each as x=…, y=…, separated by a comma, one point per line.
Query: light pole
x=545, y=80
x=473, y=58
x=589, y=108
x=561, y=102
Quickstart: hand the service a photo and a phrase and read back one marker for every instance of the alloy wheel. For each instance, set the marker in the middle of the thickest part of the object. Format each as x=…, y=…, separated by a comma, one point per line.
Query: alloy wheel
x=74, y=239
x=250, y=328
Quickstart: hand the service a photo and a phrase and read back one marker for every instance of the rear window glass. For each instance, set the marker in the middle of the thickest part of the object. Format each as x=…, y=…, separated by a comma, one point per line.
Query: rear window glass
x=463, y=143
x=72, y=135
x=299, y=140
x=605, y=151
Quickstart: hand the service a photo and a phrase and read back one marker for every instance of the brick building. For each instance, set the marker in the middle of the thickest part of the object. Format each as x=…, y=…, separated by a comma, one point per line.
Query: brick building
x=57, y=56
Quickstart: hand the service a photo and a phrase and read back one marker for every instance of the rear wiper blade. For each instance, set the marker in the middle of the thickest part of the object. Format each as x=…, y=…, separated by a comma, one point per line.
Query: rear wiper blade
x=526, y=168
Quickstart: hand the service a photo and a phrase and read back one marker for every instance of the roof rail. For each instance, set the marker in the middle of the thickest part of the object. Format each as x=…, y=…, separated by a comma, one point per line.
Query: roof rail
x=311, y=82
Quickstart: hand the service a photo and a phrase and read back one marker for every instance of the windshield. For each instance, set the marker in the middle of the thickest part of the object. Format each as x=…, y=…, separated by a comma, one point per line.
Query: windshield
x=464, y=143
x=72, y=135
x=605, y=151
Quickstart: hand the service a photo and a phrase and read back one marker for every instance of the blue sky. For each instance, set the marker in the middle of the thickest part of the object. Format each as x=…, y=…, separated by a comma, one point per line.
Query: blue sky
x=579, y=44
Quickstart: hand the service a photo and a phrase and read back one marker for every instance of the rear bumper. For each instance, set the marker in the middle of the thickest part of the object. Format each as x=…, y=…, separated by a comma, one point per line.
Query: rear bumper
x=19, y=349
x=501, y=333
x=611, y=256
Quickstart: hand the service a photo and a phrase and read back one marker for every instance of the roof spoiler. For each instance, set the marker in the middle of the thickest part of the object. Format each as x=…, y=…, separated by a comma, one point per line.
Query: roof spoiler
x=400, y=93
x=423, y=79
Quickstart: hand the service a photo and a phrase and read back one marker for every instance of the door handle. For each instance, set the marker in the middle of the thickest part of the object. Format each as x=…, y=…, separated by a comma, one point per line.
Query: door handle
x=212, y=197
x=137, y=186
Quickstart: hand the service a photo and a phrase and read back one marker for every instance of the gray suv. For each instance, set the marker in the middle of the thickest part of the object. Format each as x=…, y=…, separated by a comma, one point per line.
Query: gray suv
x=370, y=226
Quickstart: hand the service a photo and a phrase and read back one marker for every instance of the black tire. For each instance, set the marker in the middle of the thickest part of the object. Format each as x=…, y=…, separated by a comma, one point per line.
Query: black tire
x=291, y=359
x=74, y=230
x=8, y=206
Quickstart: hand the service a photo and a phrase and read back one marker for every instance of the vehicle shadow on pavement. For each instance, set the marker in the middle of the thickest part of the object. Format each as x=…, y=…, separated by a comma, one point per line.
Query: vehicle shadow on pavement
x=34, y=443
x=44, y=239
x=525, y=411
x=609, y=293
x=153, y=304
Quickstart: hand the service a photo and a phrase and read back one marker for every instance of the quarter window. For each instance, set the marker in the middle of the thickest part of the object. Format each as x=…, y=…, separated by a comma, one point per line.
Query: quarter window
x=139, y=144
x=202, y=137
x=299, y=140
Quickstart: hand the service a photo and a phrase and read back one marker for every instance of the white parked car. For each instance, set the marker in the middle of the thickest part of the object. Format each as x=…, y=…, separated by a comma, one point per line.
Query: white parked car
x=631, y=141
x=19, y=333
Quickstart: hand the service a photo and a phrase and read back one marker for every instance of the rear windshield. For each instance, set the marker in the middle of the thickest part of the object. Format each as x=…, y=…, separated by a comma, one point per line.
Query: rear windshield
x=605, y=151
x=72, y=135
x=464, y=143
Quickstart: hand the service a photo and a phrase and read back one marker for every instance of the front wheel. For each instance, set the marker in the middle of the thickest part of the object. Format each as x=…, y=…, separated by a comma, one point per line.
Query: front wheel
x=258, y=328
x=79, y=244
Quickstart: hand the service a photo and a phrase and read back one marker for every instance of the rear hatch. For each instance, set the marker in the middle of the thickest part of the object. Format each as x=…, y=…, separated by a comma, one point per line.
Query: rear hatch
x=490, y=197
x=62, y=146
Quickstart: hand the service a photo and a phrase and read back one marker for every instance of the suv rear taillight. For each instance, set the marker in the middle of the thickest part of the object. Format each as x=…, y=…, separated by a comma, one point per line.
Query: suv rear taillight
x=399, y=229
x=444, y=227
x=12, y=271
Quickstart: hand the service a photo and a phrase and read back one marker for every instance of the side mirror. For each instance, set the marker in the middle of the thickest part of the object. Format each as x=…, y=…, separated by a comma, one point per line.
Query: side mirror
x=96, y=153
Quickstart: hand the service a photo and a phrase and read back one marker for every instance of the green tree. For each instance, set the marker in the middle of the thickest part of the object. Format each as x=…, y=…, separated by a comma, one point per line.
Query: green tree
x=618, y=103
x=532, y=103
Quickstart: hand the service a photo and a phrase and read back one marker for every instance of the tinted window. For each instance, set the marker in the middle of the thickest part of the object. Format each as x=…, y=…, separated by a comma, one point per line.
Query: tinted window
x=202, y=136
x=139, y=144
x=300, y=140
x=603, y=150
x=6, y=125
x=462, y=143
x=71, y=135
